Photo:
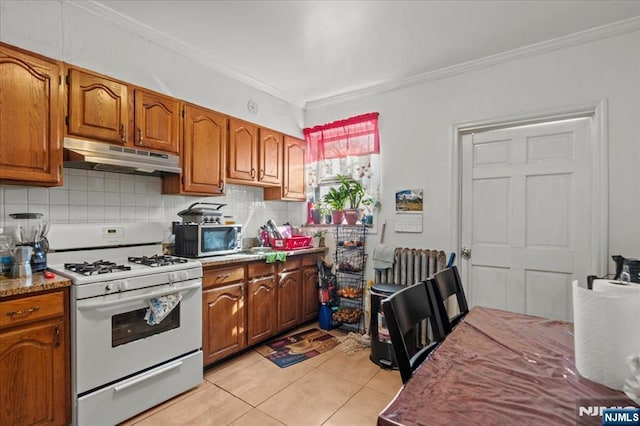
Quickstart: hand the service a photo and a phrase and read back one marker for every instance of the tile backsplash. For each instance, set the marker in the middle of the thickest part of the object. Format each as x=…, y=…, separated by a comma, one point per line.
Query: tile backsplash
x=102, y=197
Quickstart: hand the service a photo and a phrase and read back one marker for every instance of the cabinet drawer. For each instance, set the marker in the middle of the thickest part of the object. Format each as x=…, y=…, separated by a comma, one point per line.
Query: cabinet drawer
x=222, y=276
x=30, y=309
x=260, y=269
x=291, y=264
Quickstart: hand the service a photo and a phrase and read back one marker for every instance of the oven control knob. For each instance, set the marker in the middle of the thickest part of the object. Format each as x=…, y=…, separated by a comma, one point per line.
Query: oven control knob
x=183, y=275
x=108, y=287
x=123, y=285
x=173, y=277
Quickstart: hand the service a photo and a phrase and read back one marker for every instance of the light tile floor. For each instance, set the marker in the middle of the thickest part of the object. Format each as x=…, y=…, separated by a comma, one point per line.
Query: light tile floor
x=330, y=389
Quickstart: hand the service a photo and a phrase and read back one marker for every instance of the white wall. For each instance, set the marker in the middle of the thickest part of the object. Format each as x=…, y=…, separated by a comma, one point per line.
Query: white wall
x=65, y=31
x=416, y=128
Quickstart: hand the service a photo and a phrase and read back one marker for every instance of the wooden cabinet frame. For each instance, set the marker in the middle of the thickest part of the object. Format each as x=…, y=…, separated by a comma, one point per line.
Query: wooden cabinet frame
x=30, y=118
x=204, y=141
x=105, y=109
x=293, y=184
x=35, y=377
x=248, y=303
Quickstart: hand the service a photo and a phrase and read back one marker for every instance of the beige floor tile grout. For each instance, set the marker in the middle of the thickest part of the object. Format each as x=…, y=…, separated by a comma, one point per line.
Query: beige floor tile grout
x=313, y=367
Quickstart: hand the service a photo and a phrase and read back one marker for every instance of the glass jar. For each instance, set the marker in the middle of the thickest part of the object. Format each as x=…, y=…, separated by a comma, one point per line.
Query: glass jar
x=5, y=255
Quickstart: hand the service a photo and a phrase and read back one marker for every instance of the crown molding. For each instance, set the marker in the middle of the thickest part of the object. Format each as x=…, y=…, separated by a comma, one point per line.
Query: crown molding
x=181, y=48
x=212, y=62
x=593, y=34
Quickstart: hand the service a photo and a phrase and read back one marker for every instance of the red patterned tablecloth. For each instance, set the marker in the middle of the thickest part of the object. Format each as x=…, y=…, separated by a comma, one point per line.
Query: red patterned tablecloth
x=501, y=368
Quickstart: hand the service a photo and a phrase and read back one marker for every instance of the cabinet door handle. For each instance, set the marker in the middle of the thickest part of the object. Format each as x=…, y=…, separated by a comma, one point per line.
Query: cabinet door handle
x=261, y=175
x=221, y=187
x=223, y=277
x=57, y=335
x=286, y=190
x=253, y=173
x=140, y=138
x=123, y=135
x=24, y=311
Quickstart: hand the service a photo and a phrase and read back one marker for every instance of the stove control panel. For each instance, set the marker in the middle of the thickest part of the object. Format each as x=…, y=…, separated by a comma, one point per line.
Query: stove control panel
x=112, y=233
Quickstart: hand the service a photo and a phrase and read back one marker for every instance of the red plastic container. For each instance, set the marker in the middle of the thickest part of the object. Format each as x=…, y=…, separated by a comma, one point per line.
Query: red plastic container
x=291, y=243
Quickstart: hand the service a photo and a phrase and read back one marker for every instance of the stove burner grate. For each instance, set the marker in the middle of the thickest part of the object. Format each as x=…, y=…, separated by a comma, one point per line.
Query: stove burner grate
x=157, y=260
x=95, y=268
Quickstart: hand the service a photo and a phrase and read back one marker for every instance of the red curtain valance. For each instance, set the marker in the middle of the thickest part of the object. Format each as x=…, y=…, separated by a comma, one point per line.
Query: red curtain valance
x=349, y=137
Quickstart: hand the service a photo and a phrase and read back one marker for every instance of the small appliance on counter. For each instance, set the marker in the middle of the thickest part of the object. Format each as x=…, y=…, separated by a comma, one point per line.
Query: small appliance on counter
x=627, y=269
x=6, y=258
x=203, y=232
x=21, y=267
x=31, y=231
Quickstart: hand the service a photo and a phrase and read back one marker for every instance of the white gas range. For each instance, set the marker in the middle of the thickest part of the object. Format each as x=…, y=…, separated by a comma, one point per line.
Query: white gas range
x=136, y=318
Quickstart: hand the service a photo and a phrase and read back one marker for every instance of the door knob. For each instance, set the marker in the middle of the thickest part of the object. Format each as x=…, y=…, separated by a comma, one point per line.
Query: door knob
x=465, y=253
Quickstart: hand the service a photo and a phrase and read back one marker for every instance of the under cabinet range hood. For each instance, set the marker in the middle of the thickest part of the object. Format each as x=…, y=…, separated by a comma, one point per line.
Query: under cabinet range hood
x=82, y=154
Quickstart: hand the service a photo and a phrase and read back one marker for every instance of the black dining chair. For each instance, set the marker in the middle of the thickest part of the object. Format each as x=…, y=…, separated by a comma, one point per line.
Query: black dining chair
x=405, y=311
x=444, y=284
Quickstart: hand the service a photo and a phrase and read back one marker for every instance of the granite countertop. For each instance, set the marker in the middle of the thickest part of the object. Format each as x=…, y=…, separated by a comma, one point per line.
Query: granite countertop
x=36, y=283
x=213, y=261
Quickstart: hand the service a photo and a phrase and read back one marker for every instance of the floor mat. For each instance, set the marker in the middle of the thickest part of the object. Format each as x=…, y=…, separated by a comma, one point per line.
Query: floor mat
x=296, y=348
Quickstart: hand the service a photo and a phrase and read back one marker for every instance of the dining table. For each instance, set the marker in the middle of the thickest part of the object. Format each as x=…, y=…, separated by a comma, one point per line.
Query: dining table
x=502, y=368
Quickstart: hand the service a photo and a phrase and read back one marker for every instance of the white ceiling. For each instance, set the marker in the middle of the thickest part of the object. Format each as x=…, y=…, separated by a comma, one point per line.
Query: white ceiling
x=304, y=51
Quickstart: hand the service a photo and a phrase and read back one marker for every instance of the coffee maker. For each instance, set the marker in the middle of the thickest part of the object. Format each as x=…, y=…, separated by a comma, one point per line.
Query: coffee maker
x=30, y=231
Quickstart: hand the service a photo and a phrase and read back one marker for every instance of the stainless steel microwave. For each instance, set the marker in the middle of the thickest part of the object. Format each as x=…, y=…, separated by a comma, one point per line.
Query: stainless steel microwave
x=207, y=239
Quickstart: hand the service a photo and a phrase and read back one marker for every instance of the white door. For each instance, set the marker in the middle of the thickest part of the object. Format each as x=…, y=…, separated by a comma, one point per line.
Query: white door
x=526, y=216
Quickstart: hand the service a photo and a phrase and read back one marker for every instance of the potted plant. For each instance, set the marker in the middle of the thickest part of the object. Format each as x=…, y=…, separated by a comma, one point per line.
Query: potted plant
x=368, y=205
x=318, y=238
x=316, y=213
x=336, y=199
x=325, y=211
x=354, y=193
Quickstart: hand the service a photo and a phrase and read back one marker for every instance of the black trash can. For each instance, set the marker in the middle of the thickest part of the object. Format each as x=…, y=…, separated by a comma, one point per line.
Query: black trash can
x=381, y=348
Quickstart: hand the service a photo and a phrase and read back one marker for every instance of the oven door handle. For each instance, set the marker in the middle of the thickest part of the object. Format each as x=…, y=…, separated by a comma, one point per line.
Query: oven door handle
x=99, y=305
x=147, y=376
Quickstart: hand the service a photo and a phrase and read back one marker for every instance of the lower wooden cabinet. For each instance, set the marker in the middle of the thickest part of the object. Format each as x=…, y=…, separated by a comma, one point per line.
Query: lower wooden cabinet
x=262, y=309
x=289, y=294
x=248, y=303
x=223, y=322
x=34, y=360
x=310, y=304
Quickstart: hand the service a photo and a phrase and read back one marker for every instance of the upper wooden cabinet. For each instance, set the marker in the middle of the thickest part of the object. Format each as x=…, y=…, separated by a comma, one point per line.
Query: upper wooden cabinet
x=98, y=107
x=293, y=186
x=157, y=121
x=203, y=154
x=31, y=94
x=104, y=109
x=242, y=151
x=270, y=157
x=254, y=154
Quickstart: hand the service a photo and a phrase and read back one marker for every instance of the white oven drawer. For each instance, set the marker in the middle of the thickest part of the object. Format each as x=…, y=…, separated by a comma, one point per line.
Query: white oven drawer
x=125, y=399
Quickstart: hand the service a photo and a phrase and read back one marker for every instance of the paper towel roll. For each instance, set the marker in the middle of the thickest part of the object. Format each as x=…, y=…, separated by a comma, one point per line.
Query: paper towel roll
x=606, y=330
x=615, y=287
